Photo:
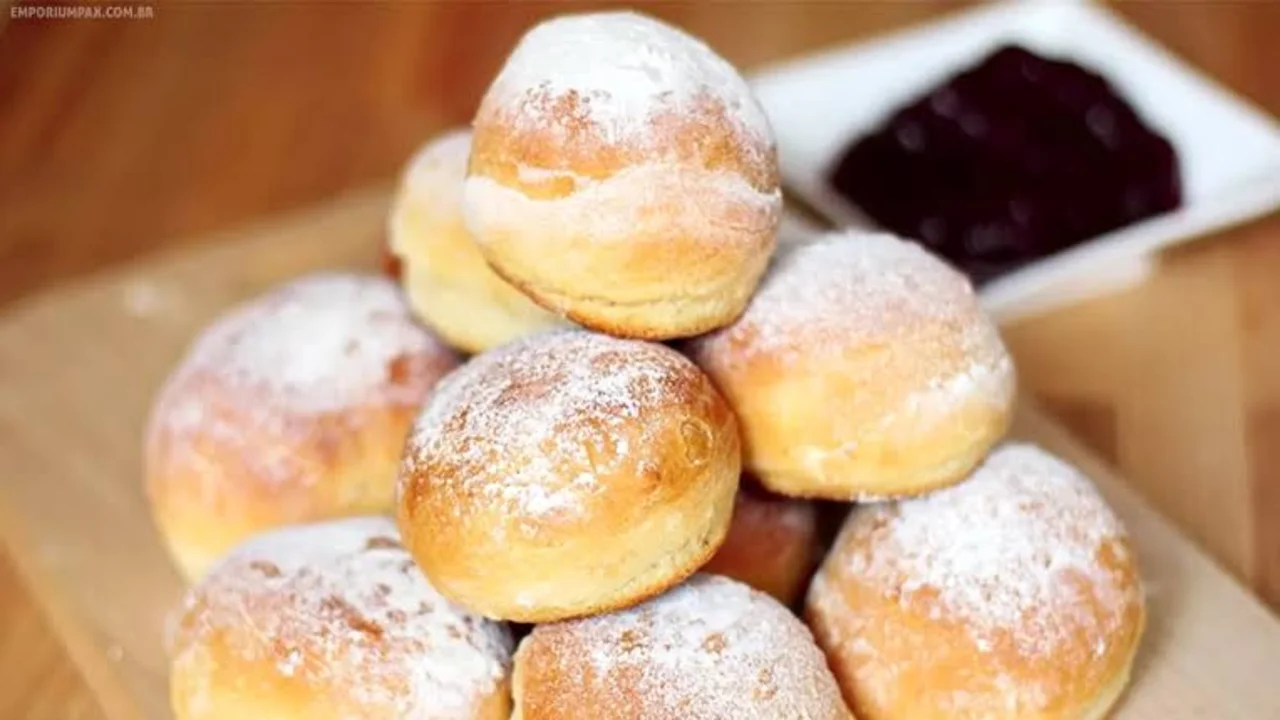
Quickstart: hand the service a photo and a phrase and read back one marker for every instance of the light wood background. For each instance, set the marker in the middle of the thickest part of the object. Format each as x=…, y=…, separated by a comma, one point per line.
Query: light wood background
x=117, y=137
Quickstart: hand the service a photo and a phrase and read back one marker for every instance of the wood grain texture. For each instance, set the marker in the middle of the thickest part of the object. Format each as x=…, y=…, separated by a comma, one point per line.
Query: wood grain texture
x=40, y=682
x=80, y=526
x=1258, y=319
x=1172, y=379
x=117, y=138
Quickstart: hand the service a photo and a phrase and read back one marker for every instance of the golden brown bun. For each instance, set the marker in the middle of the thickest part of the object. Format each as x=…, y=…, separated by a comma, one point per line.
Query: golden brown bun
x=710, y=648
x=566, y=474
x=1012, y=596
x=332, y=621
x=772, y=544
x=448, y=282
x=292, y=407
x=623, y=175
x=863, y=367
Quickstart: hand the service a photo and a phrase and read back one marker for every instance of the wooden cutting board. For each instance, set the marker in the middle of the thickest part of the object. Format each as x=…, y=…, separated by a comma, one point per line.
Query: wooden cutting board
x=78, y=368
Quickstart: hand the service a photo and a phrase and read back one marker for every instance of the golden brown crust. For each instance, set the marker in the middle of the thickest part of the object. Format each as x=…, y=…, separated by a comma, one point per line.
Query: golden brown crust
x=800, y=444
x=204, y=686
x=1065, y=572
x=332, y=621
x=209, y=492
x=659, y=229
x=567, y=474
x=709, y=649
x=926, y=385
x=772, y=545
x=286, y=410
x=957, y=668
x=448, y=282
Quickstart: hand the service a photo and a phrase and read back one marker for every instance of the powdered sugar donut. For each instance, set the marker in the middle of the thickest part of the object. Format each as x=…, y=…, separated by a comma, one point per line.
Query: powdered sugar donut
x=332, y=621
x=568, y=473
x=623, y=174
x=864, y=366
x=1012, y=595
x=291, y=407
x=709, y=649
x=446, y=278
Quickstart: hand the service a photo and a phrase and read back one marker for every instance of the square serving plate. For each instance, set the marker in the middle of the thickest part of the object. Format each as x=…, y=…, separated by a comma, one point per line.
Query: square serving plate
x=1229, y=150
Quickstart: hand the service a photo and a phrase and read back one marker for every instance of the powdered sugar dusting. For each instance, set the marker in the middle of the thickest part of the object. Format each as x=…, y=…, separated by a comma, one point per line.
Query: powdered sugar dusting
x=510, y=421
x=986, y=373
x=438, y=168
x=318, y=345
x=710, y=648
x=1004, y=551
x=328, y=344
x=863, y=290
x=624, y=68
x=849, y=287
x=341, y=605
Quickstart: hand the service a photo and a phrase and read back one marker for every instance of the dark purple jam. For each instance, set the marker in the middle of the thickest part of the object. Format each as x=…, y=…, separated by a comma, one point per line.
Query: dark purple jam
x=1011, y=160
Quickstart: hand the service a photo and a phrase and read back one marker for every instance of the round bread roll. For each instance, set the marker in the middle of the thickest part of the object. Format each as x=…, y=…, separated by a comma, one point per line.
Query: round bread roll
x=710, y=648
x=864, y=367
x=566, y=474
x=1012, y=596
x=333, y=621
x=448, y=282
x=772, y=544
x=291, y=407
x=623, y=174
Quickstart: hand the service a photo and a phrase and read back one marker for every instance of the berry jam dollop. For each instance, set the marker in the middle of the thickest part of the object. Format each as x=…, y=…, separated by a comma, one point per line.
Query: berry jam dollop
x=1011, y=160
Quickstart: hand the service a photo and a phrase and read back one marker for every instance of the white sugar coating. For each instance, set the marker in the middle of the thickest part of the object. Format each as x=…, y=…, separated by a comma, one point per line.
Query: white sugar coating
x=625, y=68
x=341, y=605
x=440, y=164
x=327, y=347
x=1006, y=551
x=511, y=419
x=851, y=289
x=317, y=345
x=712, y=648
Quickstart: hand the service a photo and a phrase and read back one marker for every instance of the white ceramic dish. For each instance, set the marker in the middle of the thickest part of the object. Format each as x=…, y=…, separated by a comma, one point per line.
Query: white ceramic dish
x=1229, y=151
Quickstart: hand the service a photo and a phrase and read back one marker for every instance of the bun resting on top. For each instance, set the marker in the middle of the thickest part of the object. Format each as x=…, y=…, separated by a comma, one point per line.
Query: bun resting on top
x=622, y=174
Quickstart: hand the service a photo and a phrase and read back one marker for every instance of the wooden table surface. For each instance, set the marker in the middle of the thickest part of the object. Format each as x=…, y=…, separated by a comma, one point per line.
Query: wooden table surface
x=117, y=137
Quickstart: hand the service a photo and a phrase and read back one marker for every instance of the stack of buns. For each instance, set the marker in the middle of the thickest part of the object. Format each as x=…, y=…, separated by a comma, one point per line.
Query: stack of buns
x=361, y=512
